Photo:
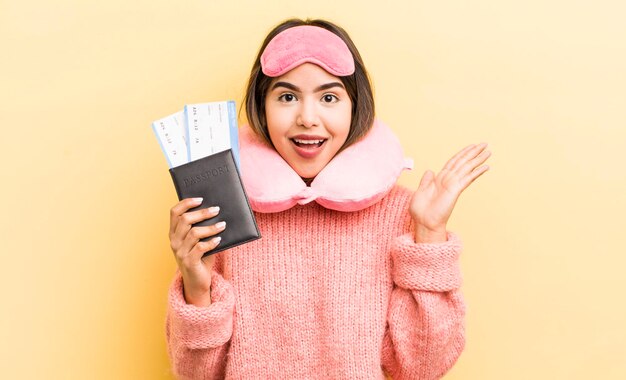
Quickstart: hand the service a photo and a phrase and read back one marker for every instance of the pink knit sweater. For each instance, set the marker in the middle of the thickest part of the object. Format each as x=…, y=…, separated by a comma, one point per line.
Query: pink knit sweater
x=325, y=295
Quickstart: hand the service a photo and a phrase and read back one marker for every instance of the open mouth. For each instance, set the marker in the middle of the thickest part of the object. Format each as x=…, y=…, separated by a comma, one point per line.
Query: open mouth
x=308, y=144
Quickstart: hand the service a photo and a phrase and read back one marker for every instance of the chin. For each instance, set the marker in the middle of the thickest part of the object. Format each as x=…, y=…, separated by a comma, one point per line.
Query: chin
x=308, y=173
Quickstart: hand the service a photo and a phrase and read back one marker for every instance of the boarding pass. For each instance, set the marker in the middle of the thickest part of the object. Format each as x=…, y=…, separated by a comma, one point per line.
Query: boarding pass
x=197, y=131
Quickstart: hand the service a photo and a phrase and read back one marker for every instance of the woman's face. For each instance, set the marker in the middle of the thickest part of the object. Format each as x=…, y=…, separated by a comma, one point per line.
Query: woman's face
x=308, y=114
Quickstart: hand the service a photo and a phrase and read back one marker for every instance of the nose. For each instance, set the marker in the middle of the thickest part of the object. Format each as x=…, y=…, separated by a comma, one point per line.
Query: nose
x=308, y=116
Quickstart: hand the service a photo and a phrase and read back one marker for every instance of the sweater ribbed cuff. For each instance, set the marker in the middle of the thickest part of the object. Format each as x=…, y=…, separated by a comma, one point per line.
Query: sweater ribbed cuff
x=427, y=266
x=202, y=327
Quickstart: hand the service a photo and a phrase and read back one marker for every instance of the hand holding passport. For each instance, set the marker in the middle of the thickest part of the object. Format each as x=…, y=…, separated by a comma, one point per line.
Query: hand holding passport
x=201, y=146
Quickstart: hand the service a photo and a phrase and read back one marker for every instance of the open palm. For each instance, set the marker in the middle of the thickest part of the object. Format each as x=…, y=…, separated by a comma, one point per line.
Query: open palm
x=436, y=195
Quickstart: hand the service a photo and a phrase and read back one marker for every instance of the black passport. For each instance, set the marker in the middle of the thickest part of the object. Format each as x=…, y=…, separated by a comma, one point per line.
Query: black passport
x=216, y=179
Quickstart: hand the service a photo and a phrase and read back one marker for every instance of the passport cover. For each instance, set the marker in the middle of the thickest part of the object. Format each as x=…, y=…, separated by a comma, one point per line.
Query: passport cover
x=216, y=179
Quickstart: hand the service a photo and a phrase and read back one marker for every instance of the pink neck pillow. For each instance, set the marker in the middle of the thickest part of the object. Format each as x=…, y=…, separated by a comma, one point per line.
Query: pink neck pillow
x=354, y=179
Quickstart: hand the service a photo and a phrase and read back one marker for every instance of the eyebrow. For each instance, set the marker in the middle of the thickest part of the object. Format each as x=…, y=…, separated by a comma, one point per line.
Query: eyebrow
x=295, y=88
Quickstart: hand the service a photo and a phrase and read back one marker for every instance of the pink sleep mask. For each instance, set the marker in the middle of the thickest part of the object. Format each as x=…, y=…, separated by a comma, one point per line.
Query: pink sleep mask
x=306, y=43
x=356, y=178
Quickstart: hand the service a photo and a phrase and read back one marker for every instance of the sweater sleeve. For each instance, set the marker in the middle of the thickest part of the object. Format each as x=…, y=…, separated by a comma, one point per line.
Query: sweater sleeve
x=425, y=332
x=198, y=338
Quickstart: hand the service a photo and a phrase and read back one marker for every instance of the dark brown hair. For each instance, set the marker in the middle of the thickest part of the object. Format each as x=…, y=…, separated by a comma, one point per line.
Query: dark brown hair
x=357, y=85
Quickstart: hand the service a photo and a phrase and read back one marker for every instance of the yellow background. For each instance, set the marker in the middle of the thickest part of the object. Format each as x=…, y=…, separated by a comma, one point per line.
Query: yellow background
x=86, y=192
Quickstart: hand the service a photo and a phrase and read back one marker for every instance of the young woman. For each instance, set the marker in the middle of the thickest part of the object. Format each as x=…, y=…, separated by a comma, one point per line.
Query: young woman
x=355, y=277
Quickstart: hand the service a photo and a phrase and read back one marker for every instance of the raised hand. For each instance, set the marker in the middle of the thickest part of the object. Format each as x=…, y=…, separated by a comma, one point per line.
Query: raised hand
x=188, y=249
x=436, y=195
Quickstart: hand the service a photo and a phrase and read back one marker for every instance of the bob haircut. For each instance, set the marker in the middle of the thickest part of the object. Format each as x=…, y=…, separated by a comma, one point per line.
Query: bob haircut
x=357, y=85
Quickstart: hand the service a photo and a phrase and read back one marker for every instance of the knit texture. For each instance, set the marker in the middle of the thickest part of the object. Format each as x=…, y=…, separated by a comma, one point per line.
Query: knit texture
x=325, y=295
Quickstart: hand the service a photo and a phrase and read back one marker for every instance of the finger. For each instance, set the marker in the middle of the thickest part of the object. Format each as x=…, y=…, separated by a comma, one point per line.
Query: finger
x=203, y=247
x=468, y=155
x=427, y=178
x=455, y=158
x=195, y=234
x=469, y=179
x=188, y=219
x=180, y=208
x=475, y=162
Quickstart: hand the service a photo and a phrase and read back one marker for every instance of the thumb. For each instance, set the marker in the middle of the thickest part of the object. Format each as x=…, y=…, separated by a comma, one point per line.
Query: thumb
x=427, y=178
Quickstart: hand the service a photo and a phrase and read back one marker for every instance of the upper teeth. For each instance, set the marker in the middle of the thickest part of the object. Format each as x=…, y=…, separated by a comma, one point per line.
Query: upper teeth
x=308, y=141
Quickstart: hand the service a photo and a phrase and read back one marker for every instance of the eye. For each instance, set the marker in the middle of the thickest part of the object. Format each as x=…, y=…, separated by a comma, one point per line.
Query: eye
x=287, y=97
x=330, y=98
